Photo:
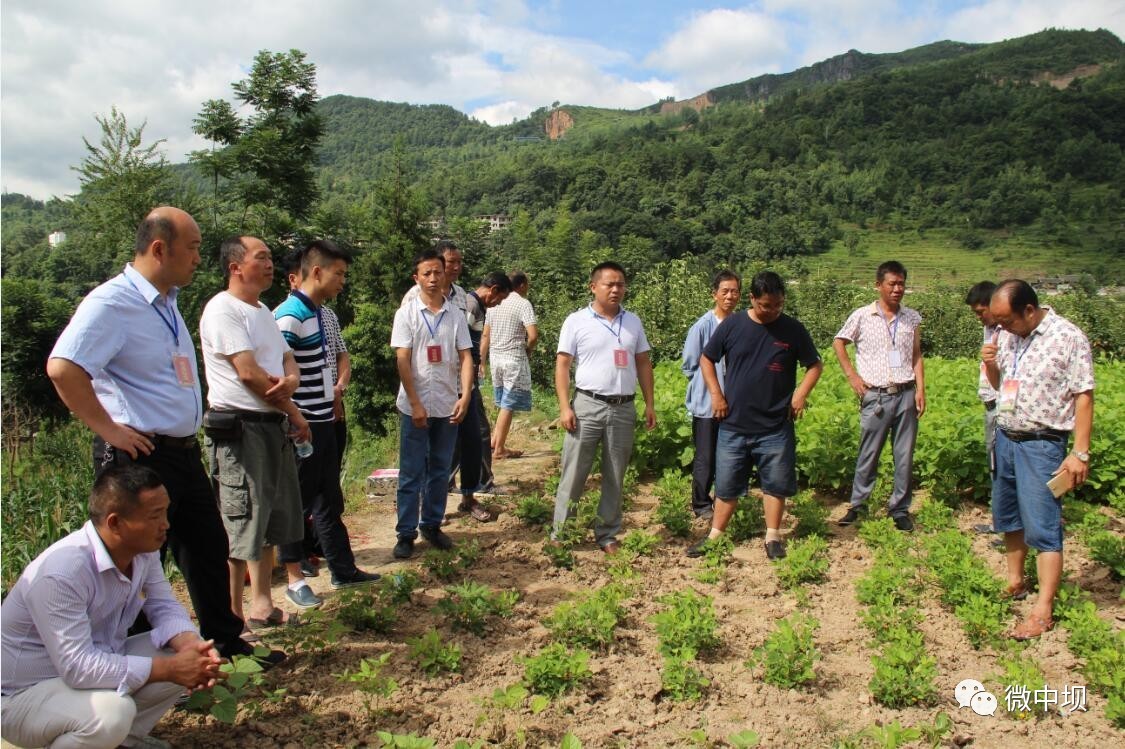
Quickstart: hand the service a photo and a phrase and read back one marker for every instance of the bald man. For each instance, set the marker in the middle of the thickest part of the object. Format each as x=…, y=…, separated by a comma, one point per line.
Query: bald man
x=125, y=365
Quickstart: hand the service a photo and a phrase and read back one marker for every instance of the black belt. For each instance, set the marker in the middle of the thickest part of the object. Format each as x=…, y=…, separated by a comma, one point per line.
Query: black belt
x=269, y=417
x=990, y=405
x=1052, y=435
x=174, y=443
x=893, y=389
x=613, y=400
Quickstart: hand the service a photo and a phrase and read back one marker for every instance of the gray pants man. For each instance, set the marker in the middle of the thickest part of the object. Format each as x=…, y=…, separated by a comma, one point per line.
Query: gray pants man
x=613, y=425
x=990, y=431
x=882, y=413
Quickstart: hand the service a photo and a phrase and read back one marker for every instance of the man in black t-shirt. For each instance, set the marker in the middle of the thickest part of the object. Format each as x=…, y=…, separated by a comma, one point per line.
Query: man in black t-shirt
x=757, y=405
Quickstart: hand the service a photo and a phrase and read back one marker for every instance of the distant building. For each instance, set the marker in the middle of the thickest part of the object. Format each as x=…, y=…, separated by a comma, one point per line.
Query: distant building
x=55, y=238
x=495, y=221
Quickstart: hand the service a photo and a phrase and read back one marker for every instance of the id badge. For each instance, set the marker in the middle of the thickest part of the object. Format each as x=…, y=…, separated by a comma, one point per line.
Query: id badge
x=1009, y=392
x=185, y=377
x=895, y=359
x=620, y=358
x=433, y=354
x=329, y=393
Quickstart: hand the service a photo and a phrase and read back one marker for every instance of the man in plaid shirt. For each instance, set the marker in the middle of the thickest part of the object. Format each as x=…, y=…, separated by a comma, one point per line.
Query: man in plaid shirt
x=510, y=335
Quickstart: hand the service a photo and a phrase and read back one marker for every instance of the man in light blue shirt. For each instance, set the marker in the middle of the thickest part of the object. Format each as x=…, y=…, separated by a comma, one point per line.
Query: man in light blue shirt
x=726, y=290
x=125, y=365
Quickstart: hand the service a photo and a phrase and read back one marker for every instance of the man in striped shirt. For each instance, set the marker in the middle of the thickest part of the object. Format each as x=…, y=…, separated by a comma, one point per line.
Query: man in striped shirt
x=324, y=268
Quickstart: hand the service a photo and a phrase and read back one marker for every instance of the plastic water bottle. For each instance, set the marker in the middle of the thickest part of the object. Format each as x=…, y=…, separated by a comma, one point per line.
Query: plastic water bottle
x=304, y=449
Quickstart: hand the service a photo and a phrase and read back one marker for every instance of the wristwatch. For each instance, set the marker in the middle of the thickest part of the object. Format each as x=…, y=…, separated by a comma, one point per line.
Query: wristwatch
x=1084, y=457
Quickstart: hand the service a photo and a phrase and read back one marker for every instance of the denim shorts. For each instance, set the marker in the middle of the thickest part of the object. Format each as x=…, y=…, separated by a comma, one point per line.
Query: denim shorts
x=1020, y=497
x=774, y=454
x=513, y=400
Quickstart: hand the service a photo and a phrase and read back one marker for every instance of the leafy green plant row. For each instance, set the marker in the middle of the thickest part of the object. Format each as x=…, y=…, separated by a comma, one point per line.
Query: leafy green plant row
x=590, y=620
x=686, y=628
x=1102, y=650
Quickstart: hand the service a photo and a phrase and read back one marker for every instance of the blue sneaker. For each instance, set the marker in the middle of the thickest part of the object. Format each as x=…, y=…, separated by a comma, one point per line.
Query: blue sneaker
x=304, y=598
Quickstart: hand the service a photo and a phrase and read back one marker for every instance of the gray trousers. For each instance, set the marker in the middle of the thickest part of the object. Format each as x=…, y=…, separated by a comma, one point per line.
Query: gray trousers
x=990, y=436
x=881, y=414
x=613, y=427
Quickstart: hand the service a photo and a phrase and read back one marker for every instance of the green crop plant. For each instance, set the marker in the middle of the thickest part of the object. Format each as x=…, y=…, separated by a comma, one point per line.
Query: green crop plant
x=404, y=741
x=398, y=586
x=811, y=515
x=468, y=605
x=743, y=739
x=748, y=520
x=640, y=542
x=589, y=621
x=432, y=656
x=556, y=669
x=806, y=563
x=716, y=555
x=1021, y=673
x=447, y=565
x=673, y=492
x=242, y=679
x=679, y=679
x=935, y=516
x=621, y=567
x=369, y=679
x=535, y=510
x=983, y=618
x=789, y=654
x=560, y=555
x=886, y=613
x=362, y=609
x=904, y=673
x=687, y=621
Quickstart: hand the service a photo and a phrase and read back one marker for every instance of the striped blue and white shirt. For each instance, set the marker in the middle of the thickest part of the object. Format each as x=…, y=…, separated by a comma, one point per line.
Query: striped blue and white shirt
x=300, y=323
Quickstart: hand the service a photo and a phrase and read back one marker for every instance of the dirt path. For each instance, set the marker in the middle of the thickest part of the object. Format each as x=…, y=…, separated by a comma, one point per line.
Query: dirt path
x=623, y=706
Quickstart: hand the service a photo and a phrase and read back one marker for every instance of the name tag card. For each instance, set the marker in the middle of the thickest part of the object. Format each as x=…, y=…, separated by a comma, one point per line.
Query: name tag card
x=329, y=393
x=895, y=359
x=620, y=358
x=433, y=354
x=185, y=377
x=1009, y=392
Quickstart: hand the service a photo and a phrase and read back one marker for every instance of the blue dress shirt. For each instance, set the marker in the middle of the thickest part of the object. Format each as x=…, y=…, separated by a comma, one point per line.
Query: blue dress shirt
x=698, y=398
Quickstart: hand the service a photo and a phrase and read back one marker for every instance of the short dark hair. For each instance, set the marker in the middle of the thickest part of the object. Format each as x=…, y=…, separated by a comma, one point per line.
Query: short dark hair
x=725, y=275
x=891, y=266
x=496, y=278
x=518, y=278
x=231, y=251
x=445, y=245
x=321, y=252
x=118, y=490
x=430, y=253
x=1018, y=293
x=767, y=282
x=607, y=265
x=293, y=261
x=154, y=226
x=980, y=293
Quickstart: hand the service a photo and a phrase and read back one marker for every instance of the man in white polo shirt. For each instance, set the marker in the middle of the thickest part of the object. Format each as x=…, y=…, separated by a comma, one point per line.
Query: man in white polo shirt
x=611, y=353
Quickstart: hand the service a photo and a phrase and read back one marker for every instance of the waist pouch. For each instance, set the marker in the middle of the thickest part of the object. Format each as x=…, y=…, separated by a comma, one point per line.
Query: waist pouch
x=222, y=425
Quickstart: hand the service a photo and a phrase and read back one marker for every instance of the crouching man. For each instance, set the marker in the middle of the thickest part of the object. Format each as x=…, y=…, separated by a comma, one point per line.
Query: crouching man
x=70, y=675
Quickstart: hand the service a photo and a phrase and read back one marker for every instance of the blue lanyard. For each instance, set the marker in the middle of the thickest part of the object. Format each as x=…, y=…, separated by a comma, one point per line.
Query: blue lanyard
x=171, y=321
x=893, y=332
x=1017, y=355
x=436, y=326
x=620, y=319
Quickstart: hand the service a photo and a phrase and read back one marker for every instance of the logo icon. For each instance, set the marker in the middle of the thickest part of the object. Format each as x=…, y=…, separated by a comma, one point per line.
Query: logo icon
x=983, y=703
x=972, y=694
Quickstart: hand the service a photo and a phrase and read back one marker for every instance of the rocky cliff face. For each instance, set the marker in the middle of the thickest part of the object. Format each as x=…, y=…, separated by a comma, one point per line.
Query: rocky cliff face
x=698, y=103
x=558, y=122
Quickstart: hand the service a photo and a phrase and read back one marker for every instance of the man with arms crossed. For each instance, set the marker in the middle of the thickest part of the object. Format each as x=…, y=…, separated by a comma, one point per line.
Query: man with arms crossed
x=125, y=365
x=432, y=349
x=726, y=290
x=1044, y=372
x=251, y=376
x=608, y=346
x=758, y=405
x=510, y=334
x=324, y=268
x=71, y=675
x=889, y=379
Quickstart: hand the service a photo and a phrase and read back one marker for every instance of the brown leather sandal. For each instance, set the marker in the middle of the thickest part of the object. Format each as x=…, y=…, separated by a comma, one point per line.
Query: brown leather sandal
x=477, y=510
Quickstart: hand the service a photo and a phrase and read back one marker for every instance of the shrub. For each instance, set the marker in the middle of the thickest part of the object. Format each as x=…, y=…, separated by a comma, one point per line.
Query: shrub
x=591, y=620
x=469, y=604
x=432, y=656
x=556, y=670
x=688, y=621
x=679, y=679
x=535, y=510
x=673, y=491
x=805, y=562
x=789, y=654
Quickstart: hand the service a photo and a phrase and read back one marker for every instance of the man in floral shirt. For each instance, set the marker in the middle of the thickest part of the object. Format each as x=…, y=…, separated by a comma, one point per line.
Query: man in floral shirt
x=1044, y=373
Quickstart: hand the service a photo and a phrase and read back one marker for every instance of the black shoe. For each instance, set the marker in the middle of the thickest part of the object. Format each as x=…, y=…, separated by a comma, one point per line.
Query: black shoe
x=706, y=514
x=852, y=515
x=775, y=550
x=359, y=577
x=404, y=549
x=307, y=569
x=271, y=659
x=904, y=523
x=437, y=538
x=698, y=549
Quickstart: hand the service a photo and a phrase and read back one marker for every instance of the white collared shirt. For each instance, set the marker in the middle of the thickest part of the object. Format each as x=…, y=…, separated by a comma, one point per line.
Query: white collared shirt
x=417, y=328
x=592, y=340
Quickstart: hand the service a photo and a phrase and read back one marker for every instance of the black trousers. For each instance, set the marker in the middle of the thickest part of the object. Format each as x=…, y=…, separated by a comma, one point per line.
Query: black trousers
x=472, y=453
x=322, y=498
x=196, y=536
x=705, y=436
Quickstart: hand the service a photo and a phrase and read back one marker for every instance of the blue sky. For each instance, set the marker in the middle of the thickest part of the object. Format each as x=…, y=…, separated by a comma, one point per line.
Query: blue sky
x=62, y=62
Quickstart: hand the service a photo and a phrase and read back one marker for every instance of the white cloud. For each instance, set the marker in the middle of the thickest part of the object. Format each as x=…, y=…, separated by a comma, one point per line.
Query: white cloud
x=1004, y=19
x=722, y=46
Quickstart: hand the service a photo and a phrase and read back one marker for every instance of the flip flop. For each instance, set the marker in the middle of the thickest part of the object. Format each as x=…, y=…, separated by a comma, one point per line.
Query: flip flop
x=477, y=510
x=1018, y=592
x=250, y=636
x=276, y=618
x=1032, y=627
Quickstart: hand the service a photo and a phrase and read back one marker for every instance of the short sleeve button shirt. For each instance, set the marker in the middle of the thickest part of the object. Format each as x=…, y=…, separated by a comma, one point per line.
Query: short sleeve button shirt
x=1053, y=365
x=507, y=326
x=592, y=339
x=875, y=337
x=416, y=328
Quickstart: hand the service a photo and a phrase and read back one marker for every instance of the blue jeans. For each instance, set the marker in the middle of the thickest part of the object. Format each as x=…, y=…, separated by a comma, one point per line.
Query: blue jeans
x=774, y=454
x=423, y=473
x=1020, y=497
